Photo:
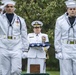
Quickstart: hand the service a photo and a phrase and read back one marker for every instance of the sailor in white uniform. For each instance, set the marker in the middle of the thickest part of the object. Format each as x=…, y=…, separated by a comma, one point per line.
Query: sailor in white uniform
x=13, y=39
x=36, y=53
x=1, y=12
x=65, y=39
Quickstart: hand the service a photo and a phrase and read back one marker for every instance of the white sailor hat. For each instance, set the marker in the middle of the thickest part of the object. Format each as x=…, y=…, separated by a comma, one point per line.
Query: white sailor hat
x=70, y=3
x=2, y=7
x=3, y=1
x=9, y=2
x=37, y=24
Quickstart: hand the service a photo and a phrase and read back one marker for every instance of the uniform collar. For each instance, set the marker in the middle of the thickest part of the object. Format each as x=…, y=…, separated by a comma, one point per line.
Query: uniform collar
x=66, y=14
x=37, y=34
x=66, y=17
x=4, y=15
x=15, y=16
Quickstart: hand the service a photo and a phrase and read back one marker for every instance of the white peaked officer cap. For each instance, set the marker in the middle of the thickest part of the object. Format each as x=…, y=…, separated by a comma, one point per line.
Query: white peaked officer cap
x=9, y=2
x=37, y=24
x=70, y=3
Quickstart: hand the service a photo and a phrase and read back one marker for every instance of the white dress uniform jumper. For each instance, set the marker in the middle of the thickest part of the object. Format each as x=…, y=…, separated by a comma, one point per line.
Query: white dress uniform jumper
x=65, y=42
x=13, y=39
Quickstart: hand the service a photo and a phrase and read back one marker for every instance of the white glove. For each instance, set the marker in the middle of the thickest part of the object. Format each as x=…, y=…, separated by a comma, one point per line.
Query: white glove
x=24, y=55
x=59, y=55
x=24, y=50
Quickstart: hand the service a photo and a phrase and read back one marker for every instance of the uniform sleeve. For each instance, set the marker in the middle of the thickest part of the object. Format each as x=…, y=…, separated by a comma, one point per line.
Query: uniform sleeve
x=47, y=40
x=24, y=36
x=57, y=39
x=28, y=38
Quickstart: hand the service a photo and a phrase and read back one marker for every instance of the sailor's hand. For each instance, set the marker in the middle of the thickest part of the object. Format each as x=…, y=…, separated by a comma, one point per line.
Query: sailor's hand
x=59, y=55
x=24, y=55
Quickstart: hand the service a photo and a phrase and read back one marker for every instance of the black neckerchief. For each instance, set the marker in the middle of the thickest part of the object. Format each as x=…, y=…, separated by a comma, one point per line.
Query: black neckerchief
x=10, y=28
x=10, y=17
x=71, y=20
x=72, y=23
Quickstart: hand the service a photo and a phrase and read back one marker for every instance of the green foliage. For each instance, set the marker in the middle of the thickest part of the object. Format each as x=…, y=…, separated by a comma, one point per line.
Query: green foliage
x=0, y=2
x=54, y=73
x=46, y=11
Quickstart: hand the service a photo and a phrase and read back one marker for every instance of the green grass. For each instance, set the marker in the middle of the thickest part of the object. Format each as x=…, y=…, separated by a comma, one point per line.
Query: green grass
x=54, y=73
x=51, y=72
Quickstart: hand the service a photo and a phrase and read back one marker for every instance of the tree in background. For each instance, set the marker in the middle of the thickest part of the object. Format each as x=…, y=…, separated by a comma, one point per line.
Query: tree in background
x=46, y=11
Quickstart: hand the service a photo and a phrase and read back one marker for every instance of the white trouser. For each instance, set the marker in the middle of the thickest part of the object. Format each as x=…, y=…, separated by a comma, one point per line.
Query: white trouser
x=11, y=62
x=61, y=68
x=0, y=62
x=67, y=67
x=40, y=61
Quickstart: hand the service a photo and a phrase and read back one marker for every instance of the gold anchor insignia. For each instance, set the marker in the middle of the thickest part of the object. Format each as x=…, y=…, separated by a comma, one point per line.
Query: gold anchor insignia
x=36, y=23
